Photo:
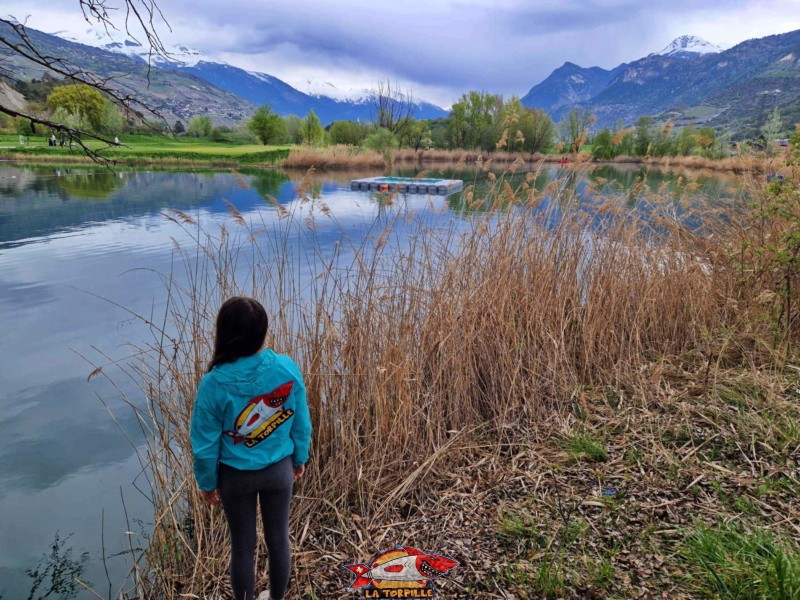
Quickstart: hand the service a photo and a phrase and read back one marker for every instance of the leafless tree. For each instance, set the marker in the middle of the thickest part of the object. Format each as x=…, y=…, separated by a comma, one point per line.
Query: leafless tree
x=393, y=107
x=125, y=15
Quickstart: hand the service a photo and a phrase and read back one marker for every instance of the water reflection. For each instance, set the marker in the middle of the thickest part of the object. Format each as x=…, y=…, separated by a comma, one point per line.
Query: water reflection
x=69, y=237
x=88, y=185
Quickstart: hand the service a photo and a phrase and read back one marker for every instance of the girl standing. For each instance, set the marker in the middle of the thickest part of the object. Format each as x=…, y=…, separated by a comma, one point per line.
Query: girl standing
x=250, y=436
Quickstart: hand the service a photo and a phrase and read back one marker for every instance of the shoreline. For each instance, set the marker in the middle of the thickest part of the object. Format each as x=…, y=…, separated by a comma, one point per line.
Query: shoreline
x=735, y=165
x=266, y=159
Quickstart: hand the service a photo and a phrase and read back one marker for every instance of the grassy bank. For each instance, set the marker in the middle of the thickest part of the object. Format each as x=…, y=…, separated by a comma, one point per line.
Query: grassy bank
x=573, y=404
x=192, y=152
x=147, y=150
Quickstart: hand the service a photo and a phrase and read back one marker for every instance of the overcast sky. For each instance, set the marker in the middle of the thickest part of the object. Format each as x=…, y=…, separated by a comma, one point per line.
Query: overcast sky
x=438, y=48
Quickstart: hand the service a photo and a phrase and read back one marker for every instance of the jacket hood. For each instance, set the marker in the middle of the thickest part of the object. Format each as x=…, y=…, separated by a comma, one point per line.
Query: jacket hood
x=245, y=369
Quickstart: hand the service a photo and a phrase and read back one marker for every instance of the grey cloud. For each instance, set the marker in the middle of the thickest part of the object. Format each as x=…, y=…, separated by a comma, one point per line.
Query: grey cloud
x=498, y=45
x=505, y=47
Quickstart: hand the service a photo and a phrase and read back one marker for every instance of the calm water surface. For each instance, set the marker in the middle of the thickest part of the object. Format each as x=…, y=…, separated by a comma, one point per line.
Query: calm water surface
x=77, y=248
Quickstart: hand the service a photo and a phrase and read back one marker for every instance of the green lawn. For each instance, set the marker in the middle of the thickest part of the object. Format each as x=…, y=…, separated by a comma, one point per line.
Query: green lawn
x=156, y=147
x=148, y=144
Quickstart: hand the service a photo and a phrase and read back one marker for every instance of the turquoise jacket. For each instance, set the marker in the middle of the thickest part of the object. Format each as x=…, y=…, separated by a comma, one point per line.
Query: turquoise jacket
x=248, y=414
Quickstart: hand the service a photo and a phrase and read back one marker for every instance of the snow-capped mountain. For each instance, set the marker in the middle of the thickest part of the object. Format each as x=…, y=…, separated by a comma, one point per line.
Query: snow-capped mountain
x=325, y=99
x=177, y=55
x=689, y=44
x=736, y=85
x=319, y=88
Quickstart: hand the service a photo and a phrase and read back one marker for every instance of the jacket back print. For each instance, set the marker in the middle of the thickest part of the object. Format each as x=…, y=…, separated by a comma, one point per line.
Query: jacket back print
x=249, y=414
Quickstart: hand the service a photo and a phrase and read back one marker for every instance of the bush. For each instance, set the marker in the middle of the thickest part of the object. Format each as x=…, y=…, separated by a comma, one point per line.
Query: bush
x=381, y=140
x=347, y=132
x=200, y=126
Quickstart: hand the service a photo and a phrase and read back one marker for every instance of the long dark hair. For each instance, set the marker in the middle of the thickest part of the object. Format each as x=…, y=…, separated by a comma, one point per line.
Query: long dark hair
x=241, y=330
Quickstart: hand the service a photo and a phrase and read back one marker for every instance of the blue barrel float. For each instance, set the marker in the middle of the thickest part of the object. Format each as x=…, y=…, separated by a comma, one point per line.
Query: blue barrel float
x=411, y=185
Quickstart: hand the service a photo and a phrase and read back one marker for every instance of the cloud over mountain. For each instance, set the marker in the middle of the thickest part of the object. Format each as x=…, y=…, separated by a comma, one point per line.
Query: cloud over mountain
x=438, y=47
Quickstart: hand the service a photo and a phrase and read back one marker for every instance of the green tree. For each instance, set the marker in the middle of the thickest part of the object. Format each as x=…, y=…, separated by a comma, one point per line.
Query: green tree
x=312, y=130
x=686, y=143
x=178, y=128
x=417, y=136
x=267, y=126
x=603, y=147
x=111, y=120
x=524, y=129
x=706, y=138
x=574, y=128
x=458, y=125
x=382, y=140
x=474, y=121
x=347, y=132
x=539, y=130
x=78, y=100
x=624, y=142
x=643, y=137
x=664, y=143
x=75, y=122
x=221, y=134
x=510, y=126
x=201, y=126
x=440, y=132
x=294, y=128
x=25, y=127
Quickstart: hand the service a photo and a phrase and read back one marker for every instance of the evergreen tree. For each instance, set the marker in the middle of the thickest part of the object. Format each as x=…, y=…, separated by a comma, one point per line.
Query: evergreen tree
x=312, y=130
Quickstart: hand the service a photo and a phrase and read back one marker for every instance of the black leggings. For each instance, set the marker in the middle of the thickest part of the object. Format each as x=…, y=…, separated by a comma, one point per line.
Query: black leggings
x=272, y=485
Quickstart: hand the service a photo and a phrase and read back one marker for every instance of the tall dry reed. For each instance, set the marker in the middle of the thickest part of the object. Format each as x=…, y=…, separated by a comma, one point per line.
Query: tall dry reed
x=458, y=335
x=348, y=157
x=334, y=157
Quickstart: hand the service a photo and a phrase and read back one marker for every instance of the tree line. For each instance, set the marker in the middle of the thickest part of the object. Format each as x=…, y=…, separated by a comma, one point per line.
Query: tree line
x=477, y=121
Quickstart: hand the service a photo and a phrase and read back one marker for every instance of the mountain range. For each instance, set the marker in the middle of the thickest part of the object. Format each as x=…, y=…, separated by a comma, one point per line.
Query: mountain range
x=327, y=101
x=175, y=95
x=186, y=67
x=690, y=81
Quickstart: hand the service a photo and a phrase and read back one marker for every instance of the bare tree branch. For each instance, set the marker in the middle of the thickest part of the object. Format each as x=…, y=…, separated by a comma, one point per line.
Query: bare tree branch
x=393, y=108
x=140, y=13
x=70, y=134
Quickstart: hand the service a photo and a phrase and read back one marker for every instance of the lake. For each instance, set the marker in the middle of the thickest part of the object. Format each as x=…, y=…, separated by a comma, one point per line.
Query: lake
x=80, y=254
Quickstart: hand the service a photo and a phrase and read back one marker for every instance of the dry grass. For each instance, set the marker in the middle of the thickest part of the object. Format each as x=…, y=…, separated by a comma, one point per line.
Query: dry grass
x=734, y=164
x=334, y=157
x=347, y=157
x=500, y=157
x=441, y=361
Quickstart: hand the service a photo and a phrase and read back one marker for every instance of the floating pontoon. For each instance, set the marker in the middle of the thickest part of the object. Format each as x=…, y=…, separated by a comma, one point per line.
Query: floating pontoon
x=437, y=187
